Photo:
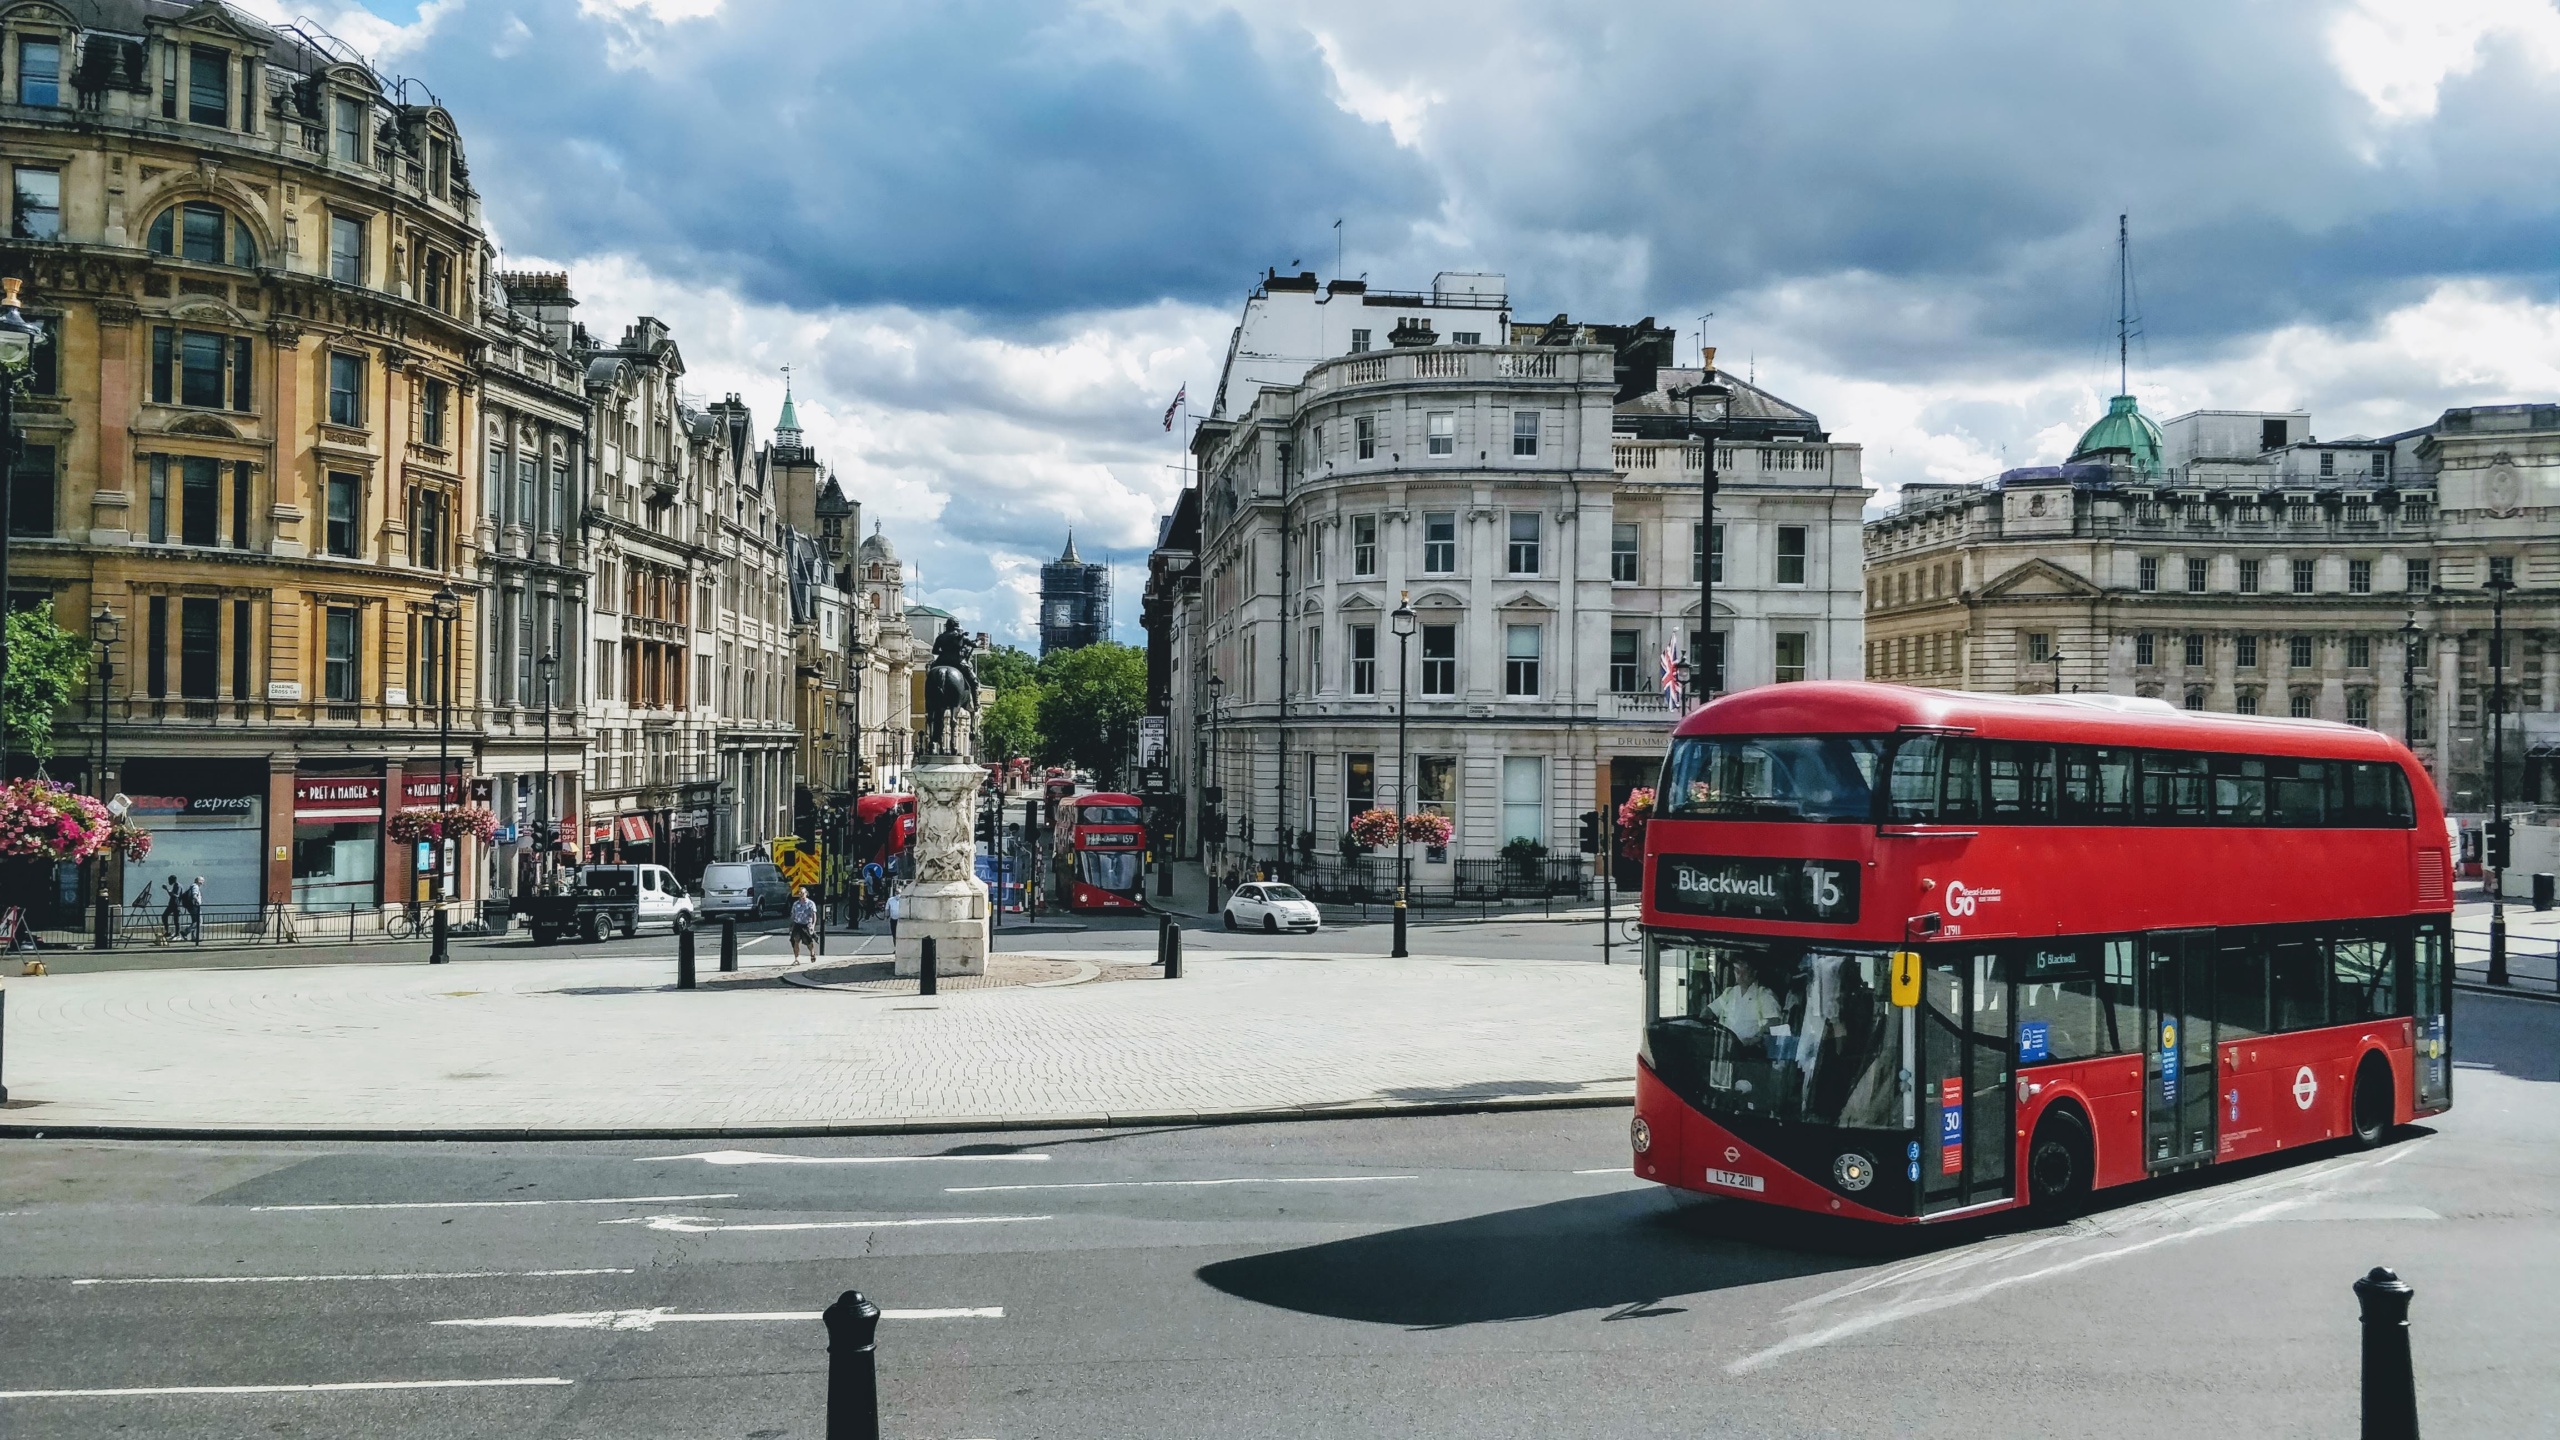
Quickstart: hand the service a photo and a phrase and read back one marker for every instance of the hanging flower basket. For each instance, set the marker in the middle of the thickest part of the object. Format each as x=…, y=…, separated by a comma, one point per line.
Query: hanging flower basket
x=411, y=826
x=1633, y=815
x=40, y=820
x=128, y=841
x=1373, y=828
x=1428, y=827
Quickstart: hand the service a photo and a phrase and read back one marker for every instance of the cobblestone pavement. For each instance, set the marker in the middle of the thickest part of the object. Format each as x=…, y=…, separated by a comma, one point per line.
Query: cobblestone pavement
x=605, y=1046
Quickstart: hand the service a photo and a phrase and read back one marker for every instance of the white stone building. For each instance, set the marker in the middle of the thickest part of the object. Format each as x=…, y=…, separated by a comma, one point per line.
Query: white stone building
x=1530, y=501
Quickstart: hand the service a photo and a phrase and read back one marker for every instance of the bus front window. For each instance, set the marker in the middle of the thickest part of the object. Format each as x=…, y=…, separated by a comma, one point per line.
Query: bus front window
x=1109, y=869
x=1788, y=1032
x=1772, y=777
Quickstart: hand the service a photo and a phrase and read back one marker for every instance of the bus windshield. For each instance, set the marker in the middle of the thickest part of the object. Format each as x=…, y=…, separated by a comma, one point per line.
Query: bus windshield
x=1107, y=815
x=1772, y=777
x=1788, y=1031
x=1109, y=869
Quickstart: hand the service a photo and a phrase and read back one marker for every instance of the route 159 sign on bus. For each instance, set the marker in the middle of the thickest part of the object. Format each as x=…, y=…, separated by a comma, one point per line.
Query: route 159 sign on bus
x=1757, y=887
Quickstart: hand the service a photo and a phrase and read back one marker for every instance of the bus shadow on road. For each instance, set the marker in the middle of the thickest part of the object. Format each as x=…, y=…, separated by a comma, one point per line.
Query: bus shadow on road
x=1631, y=1252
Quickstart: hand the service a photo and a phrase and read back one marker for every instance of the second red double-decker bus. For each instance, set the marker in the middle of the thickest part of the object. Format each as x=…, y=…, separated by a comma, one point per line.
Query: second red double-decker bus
x=1098, y=855
x=1913, y=954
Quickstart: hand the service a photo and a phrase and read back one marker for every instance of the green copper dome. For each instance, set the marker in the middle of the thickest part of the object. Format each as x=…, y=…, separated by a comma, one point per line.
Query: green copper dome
x=2125, y=430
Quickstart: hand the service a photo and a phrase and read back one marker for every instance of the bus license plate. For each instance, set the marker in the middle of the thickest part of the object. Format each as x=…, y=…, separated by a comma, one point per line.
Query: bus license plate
x=1736, y=1180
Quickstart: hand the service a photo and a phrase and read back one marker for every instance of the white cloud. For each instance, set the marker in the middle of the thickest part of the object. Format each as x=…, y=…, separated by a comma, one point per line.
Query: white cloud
x=2398, y=55
x=974, y=450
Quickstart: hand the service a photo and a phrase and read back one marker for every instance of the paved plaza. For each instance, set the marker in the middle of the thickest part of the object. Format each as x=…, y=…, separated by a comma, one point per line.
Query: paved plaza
x=606, y=1046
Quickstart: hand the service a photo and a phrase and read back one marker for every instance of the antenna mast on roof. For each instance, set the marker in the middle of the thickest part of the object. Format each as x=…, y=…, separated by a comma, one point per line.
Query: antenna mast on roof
x=2124, y=314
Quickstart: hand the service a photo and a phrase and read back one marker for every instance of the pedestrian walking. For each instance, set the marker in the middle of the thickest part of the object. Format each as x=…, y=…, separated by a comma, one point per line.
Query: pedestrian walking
x=169, y=913
x=194, y=902
x=804, y=923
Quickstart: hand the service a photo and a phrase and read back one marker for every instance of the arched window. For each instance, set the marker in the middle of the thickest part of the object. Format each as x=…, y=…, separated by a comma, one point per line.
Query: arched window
x=197, y=231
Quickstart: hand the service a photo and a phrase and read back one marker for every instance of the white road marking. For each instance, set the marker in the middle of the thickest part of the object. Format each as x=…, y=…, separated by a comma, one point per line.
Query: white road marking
x=768, y=1157
x=284, y=1389
x=2169, y=1211
x=653, y=1318
x=705, y=1225
x=1181, y=1184
x=1609, y=1170
x=498, y=1204
x=312, y=1279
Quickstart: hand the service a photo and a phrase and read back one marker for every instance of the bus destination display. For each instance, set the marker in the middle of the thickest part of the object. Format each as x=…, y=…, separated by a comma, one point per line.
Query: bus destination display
x=1757, y=887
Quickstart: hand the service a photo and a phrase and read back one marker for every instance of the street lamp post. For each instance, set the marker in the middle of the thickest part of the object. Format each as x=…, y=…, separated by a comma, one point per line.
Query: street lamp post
x=1402, y=621
x=102, y=633
x=18, y=338
x=2500, y=582
x=2409, y=681
x=1215, y=792
x=548, y=664
x=448, y=608
x=1710, y=432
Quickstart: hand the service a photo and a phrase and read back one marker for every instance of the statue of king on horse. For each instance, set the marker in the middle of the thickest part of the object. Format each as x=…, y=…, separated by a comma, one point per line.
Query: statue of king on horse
x=950, y=688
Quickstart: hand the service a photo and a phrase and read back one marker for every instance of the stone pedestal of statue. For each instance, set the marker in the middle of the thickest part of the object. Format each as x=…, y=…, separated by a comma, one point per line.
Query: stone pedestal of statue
x=946, y=900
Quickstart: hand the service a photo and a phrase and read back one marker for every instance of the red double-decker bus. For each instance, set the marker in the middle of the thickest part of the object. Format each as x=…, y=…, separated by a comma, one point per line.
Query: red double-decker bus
x=1098, y=855
x=1913, y=954
x=883, y=827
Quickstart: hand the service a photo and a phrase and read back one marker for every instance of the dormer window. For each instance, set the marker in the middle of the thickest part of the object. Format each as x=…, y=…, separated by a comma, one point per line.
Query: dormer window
x=208, y=85
x=346, y=131
x=202, y=233
x=39, y=71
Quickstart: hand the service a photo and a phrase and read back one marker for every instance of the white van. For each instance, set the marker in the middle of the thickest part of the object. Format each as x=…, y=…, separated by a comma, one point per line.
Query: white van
x=663, y=901
x=749, y=888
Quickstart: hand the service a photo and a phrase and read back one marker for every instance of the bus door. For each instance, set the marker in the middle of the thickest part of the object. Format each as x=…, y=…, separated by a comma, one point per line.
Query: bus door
x=2432, y=983
x=1966, y=1091
x=2179, y=1080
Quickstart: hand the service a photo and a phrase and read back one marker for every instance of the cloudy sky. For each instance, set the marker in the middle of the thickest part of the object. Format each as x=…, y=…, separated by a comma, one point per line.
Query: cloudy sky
x=992, y=239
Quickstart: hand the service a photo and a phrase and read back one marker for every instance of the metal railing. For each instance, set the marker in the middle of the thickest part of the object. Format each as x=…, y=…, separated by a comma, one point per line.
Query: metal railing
x=154, y=926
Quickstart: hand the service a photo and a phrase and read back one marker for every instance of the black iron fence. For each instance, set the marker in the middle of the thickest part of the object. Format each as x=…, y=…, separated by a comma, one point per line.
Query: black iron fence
x=150, y=927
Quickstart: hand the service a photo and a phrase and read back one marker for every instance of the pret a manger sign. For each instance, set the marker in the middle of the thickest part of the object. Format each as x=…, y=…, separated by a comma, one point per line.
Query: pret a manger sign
x=1757, y=887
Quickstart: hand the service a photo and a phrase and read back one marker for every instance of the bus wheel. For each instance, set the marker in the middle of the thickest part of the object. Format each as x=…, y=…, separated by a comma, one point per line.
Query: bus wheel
x=2058, y=1160
x=2374, y=1101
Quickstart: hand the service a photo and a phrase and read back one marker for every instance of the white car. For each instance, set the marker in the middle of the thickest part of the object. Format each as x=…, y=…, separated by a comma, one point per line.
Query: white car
x=1272, y=908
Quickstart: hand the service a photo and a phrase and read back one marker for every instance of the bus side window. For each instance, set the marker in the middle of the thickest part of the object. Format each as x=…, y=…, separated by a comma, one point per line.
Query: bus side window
x=1960, y=797
x=2294, y=789
x=2173, y=788
x=2123, y=1005
x=2240, y=985
x=2300, y=983
x=2019, y=780
x=2097, y=786
x=2239, y=790
x=2362, y=985
x=2080, y=991
x=1913, y=794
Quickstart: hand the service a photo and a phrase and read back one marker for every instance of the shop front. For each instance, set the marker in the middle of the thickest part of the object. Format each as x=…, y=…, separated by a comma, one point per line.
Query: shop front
x=207, y=818
x=436, y=866
x=337, y=841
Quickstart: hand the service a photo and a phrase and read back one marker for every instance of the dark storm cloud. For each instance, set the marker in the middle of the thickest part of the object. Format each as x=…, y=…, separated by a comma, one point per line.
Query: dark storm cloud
x=1009, y=158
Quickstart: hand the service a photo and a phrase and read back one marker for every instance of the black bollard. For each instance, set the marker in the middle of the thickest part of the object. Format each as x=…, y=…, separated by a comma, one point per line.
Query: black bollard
x=853, y=1378
x=1173, y=950
x=1164, y=922
x=4, y=1043
x=684, y=958
x=728, y=945
x=927, y=983
x=1397, y=951
x=2390, y=1386
x=438, y=953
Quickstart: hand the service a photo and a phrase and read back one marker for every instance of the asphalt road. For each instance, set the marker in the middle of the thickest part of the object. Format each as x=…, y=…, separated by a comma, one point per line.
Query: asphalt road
x=1477, y=1277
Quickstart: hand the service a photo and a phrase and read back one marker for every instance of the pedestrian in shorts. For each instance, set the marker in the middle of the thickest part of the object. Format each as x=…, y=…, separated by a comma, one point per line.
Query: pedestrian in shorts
x=804, y=923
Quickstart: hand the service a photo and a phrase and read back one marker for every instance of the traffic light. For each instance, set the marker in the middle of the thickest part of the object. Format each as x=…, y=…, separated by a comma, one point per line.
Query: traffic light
x=986, y=830
x=1591, y=832
x=2500, y=832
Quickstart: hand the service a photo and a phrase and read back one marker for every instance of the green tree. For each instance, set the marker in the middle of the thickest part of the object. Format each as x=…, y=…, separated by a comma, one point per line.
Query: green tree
x=1010, y=723
x=1089, y=707
x=46, y=667
x=1002, y=667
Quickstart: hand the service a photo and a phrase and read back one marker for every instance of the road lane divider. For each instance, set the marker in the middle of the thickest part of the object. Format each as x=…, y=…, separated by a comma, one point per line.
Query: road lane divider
x=497, y=1204
x=651, y=1319
x=1184, y=1184
x=770, y=1157
x=705, y=1225
x=323, y=1388
x=318, y=1279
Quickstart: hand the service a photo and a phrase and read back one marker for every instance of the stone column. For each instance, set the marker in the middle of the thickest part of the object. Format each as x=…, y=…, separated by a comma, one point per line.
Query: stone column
x=946, y=900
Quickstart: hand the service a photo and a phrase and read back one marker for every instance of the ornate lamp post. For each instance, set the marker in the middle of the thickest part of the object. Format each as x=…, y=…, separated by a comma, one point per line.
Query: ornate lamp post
x=547, y=665
x=2501, y=580
x=1710, y=432
x=102, y=633
x=1403, y=622
x=448, y=608
x=18, y=337
x=2409, y=681
x=1215, y=792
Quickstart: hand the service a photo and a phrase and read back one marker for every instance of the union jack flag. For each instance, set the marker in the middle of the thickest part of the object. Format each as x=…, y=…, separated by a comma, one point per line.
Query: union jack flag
x=1670, y=675
x=1179, y=396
